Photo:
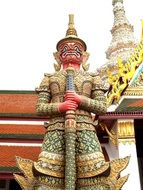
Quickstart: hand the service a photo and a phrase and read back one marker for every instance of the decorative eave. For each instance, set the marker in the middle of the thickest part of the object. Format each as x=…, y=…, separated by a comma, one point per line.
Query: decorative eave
x=125, y=77
x=135, y=91
x=121, y=115
x=131, y=80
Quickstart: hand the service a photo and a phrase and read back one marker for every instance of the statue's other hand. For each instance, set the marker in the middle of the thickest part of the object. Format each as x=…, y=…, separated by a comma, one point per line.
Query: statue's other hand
x=67, y=105
x=73, y=96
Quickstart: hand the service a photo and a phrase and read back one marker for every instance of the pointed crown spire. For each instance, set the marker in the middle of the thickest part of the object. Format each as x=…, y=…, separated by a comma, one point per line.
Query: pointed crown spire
x=71, y=33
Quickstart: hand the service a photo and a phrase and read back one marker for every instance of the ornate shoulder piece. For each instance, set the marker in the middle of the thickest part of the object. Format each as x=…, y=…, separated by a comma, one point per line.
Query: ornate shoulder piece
x=44, y=86
x=94, y=74
x=98, y=84
x=47, y=75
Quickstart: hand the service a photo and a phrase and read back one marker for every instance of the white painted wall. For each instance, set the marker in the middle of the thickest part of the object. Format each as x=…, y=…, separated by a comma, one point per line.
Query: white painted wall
x=132, y=169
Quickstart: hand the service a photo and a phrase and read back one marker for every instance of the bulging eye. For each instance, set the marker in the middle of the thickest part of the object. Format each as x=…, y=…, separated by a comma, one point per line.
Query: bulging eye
x=64, y=49
x=77, y=49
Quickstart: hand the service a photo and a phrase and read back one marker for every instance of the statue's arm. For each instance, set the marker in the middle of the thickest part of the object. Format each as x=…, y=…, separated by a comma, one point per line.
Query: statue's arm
x=44, y=105
x=96, y=104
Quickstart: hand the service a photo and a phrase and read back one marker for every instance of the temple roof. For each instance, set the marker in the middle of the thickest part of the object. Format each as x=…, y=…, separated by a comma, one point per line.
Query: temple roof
x=8, y=159
x=131, y=105
x=21, y=131
x=18, y=103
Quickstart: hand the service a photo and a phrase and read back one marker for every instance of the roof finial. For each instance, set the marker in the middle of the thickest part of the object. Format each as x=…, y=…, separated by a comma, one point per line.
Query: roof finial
x=116, y=1
x=71, y=30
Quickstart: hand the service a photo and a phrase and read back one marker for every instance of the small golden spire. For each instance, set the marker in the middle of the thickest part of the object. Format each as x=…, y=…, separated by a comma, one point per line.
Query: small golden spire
x=71, y=21
x=71, y=30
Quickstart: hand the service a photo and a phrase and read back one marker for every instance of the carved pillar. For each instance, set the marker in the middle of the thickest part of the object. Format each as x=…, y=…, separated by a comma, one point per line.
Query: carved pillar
x=126, y=147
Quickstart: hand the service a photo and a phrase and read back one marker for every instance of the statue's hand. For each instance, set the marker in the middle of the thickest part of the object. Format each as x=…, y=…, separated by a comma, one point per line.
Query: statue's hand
x=67, y=105
x=73, y=96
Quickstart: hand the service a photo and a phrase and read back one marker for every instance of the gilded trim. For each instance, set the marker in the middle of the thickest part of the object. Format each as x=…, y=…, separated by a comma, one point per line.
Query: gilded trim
x=126, y=141
x=49, y=172
x=82, y=174
x=126, y=129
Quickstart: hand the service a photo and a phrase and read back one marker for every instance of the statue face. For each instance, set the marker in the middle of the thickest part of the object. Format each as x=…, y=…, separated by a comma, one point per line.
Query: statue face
x=71, y=52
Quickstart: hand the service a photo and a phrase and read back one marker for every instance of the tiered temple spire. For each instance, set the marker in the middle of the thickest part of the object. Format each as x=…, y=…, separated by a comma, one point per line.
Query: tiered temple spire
x=123, y=42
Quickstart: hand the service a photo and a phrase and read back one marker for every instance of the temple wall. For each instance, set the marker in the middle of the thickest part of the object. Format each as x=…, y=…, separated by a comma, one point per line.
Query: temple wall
x=127, y=147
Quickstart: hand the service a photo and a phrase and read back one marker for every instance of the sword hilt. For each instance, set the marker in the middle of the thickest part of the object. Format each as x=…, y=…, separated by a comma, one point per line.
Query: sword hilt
x=70, y=79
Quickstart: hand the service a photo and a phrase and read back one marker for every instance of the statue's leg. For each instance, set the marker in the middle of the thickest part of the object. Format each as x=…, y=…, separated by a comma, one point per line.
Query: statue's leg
x=90, y=158
x=93, y=173
x=49, y=169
